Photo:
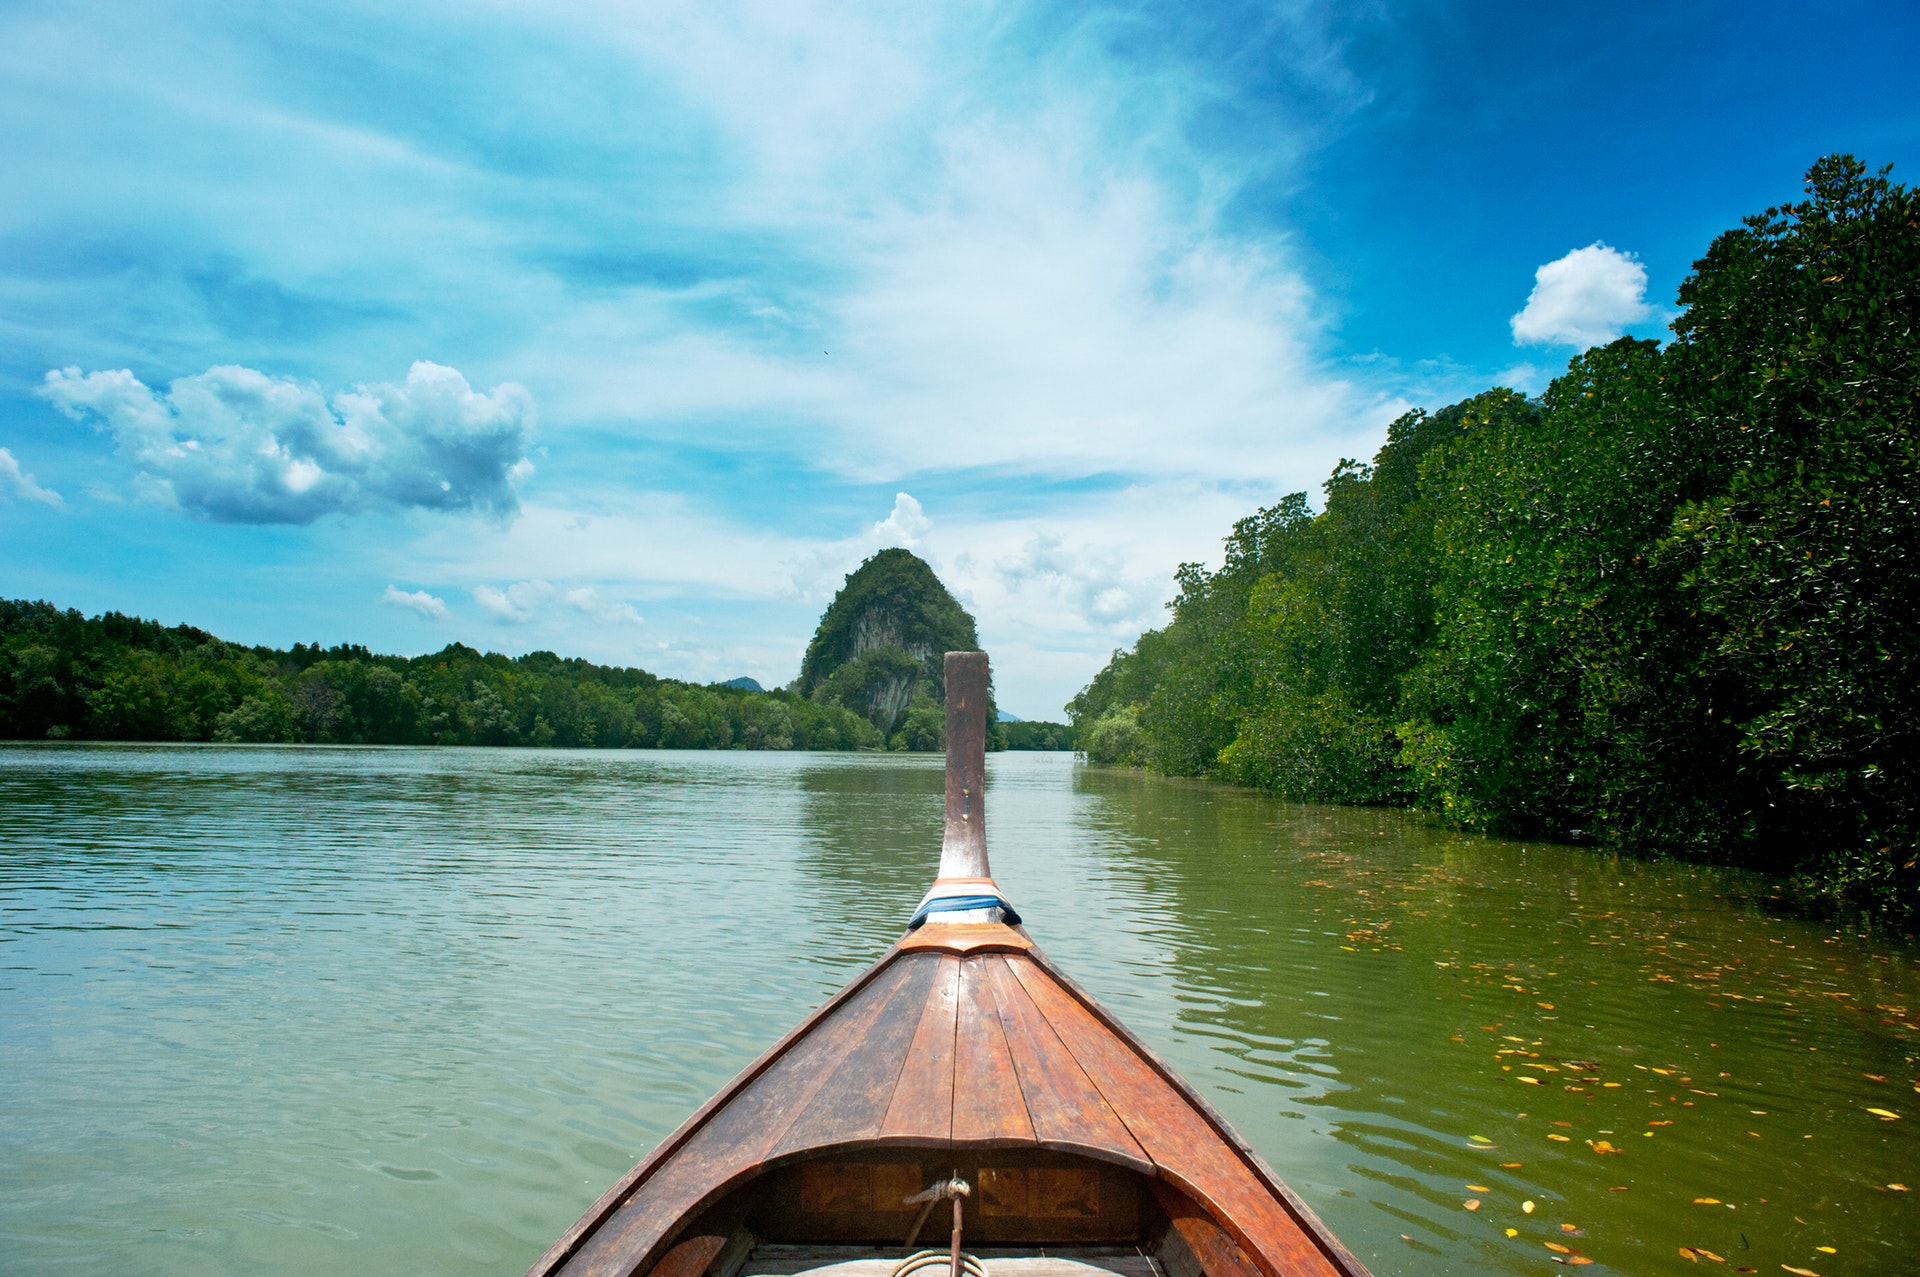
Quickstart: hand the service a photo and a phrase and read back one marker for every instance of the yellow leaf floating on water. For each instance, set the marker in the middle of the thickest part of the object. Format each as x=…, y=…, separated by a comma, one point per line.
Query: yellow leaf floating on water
x=1472, y=1203
x=1710, y=1255
x=1524, y=1078
x=1826, y=1250
x=1898, y=1188
x=1546, y=1006
x=1884, y=1115
x=1605, y=1146
x=1557, y=1248
x=1686, y=1253
x=1513, y=1232
x=1564, y=1139
x=1576, y=1259
x=1804, y=1272
x=1526, y=1208
x=1572, y=1230
x=1478, y=1188
x=1706, y=1201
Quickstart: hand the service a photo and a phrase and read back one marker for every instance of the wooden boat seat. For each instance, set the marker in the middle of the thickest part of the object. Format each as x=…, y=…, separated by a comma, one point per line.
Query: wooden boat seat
x=800, y=1261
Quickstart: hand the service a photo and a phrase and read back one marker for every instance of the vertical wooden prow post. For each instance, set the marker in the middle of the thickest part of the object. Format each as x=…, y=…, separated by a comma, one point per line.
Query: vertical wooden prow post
x=963, y=848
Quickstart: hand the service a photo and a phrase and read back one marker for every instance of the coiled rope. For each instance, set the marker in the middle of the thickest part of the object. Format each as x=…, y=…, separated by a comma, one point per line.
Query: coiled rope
x=923, y=1259
x=957, y=1262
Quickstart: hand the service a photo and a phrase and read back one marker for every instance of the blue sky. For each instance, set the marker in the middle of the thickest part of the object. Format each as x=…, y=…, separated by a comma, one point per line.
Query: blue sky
x=626, y=331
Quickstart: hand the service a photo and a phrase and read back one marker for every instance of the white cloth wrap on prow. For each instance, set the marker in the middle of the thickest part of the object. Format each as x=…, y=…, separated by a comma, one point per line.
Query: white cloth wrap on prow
x=993, y=913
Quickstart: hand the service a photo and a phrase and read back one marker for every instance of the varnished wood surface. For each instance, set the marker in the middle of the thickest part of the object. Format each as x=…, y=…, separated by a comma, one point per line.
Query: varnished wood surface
x=954, y=937
x=956, y=1041
x=691, y=1257
x=921, y=1109
x=1196, y=1246
x=963, y=847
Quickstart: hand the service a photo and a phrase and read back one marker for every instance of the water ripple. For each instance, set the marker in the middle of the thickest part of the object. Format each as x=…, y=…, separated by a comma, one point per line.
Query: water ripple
x=322, y=1010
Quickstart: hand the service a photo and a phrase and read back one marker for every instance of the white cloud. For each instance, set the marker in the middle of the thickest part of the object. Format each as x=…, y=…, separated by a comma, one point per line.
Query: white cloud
x=817, y=570
x=904, y=526
x=238, y=446
x=416, y=600
x=518, y=603
x=1092, y=582
x=1526, y=376
x=1027, y=255
x=1587, y=298
x=22, y=483
x=588, y=600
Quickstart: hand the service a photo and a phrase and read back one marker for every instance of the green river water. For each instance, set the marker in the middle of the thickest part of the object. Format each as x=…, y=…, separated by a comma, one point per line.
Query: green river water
x=314, y=1010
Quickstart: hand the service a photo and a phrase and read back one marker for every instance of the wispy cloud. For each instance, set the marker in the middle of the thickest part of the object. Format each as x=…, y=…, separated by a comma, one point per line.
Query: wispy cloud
x=588, y=600
x=434, y=609
x=973, y=257
x=1587, y=298
x=517, y=603
x=22, y=484
x=1094, y=582
x=238, y=446
x=817, y=566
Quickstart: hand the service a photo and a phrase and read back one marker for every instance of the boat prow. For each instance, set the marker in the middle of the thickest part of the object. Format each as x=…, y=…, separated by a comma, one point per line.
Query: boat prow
x=965, y=1056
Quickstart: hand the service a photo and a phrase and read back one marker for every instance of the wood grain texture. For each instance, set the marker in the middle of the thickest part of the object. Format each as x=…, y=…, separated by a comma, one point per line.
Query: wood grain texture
x=1181, y=1142
x=851, y=1104
x=958, y=1043
x=1067, y=1111
x=1303, y=1214
x=921, y=1109
x=988, y=1106
x=963, y=847
x=965, y=937
x=736, y=1139
x=623, y=1188
x=1195, y=1246
x=691, y=1257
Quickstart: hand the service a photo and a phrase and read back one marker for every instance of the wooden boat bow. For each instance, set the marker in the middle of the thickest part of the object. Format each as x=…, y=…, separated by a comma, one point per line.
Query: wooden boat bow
x=962, y=1050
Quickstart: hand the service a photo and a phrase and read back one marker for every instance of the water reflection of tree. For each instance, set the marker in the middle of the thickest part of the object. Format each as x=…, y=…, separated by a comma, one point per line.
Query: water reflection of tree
x=872, y=836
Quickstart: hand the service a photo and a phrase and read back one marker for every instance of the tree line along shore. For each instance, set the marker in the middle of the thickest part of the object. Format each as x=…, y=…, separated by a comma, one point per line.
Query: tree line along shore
x=1671, y=605
x=871, y=681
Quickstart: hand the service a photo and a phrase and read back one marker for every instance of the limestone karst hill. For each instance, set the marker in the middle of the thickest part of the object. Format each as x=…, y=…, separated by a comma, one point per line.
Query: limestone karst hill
x=880, y=647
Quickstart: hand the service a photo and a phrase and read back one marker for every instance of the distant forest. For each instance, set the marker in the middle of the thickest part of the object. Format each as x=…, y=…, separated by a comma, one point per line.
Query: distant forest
x=117, y=677
x=113, y=677
x=1672, y=605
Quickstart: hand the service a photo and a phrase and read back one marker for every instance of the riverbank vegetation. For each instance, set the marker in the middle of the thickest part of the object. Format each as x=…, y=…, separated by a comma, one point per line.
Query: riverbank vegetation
x=873, y=679
x=1671, y=605
x=114, y=677
x=1023, y=735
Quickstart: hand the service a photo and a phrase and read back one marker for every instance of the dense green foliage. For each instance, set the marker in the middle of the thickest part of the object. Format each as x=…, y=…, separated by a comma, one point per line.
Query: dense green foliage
x=881, y=648
x=1043, y=736
x=116, y=677
x=1672, y=605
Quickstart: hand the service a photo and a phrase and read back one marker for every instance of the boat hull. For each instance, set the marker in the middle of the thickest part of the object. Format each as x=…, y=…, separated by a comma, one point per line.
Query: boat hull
x=962, y=1051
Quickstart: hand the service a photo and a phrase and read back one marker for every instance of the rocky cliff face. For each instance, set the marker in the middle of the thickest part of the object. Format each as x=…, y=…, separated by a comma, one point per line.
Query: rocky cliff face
x=881, y=645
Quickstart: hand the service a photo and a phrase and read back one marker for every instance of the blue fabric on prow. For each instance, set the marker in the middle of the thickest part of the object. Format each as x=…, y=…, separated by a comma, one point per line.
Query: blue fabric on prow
x=956, y=904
